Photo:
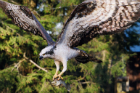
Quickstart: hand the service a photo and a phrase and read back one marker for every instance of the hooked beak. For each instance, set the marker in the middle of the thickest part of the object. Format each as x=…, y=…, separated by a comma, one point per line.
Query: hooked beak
x=41, y=57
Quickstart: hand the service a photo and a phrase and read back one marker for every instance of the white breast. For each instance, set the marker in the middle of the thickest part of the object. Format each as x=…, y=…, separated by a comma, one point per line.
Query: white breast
x=64, y=52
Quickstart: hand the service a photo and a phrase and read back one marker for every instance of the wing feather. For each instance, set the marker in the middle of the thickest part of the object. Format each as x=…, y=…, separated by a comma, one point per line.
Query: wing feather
x=93, y=17
x=24, y=18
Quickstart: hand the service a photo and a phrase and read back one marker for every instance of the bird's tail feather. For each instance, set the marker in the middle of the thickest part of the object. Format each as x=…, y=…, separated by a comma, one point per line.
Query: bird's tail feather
x=84, y=58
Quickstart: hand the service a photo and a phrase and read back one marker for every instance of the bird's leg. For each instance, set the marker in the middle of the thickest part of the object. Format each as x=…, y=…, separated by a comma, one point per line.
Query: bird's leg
x=57, y=69
x=64, y=62
x=59, y=76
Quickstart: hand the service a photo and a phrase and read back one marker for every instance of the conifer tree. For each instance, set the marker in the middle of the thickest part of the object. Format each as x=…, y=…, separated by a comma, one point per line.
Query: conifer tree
x=84, y=78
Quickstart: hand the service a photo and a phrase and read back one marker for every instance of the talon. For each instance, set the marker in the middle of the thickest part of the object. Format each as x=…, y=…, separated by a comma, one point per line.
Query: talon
x=55, y=76
x=59, y=77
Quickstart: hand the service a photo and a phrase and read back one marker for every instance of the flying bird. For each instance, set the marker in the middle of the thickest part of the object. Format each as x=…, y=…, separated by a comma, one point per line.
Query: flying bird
x=88, y=19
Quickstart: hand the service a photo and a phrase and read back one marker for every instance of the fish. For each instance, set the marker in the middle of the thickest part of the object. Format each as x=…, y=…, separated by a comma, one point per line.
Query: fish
x=60, y=82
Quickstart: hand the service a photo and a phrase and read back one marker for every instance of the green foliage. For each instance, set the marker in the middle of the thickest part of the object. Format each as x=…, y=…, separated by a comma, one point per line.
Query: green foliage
x=8, y=80
x=84, y=78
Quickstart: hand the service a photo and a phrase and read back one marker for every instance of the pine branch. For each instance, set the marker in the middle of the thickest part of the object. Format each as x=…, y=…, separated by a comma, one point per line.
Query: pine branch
x=34, y=63
x=17, y=65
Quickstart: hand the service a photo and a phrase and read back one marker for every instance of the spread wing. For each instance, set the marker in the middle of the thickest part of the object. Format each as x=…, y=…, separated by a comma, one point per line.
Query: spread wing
x=93, y=17
x=24, y=18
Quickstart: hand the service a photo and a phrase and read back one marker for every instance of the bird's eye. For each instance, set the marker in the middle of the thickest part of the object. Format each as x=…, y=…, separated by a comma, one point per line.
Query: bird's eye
x=43, y=54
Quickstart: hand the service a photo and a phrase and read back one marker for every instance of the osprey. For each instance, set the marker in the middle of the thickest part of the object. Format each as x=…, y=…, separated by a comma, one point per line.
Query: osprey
x=89, y=19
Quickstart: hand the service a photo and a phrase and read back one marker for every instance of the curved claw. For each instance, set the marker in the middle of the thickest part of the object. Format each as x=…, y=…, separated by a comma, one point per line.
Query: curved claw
x=57, y=76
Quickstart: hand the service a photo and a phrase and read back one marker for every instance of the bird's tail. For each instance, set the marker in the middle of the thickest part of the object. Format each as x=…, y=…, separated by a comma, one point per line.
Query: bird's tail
x=84, y=58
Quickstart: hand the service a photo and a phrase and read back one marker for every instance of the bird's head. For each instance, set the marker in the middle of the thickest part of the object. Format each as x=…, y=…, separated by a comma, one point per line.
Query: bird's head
x=47, y=52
